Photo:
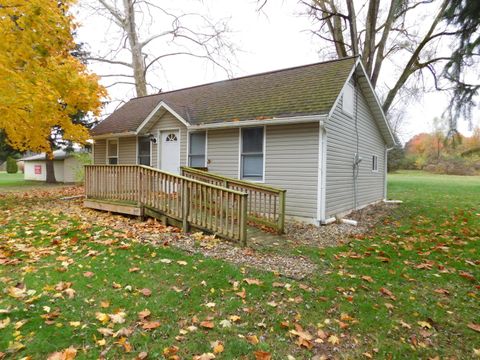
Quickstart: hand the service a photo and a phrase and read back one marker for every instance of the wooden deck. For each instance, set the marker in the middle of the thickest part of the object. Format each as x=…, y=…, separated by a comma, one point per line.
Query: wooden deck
x=178, y=200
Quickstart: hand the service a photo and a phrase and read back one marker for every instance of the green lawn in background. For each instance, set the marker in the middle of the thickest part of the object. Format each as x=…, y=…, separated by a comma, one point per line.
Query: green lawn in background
x=410, y=290
x=13, y=180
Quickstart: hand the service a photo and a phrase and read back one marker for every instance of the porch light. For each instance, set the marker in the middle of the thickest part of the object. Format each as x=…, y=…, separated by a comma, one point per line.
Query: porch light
x=152, y=138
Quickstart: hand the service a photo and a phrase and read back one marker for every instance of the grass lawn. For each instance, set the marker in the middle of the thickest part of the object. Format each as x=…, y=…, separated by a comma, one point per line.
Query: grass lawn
x=409, y=290
x=12, y=179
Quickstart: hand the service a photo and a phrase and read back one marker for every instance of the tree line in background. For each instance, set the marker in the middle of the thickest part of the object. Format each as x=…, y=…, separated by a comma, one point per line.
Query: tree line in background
x=47, y=92
x=439, y=153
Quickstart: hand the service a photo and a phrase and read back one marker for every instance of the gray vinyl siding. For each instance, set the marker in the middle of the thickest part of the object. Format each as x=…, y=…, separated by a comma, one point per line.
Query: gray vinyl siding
x=341, y=147
x=291, y=163
x=127, y=150
x=168, y=122
x=222, y=152
x=100, y=152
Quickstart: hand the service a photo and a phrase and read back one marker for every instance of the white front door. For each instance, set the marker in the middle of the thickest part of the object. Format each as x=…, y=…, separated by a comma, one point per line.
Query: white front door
x=170, y=151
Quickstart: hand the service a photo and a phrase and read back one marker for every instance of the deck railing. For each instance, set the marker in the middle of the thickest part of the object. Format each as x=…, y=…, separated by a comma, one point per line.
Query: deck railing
x=265, y=205
x=193, y=202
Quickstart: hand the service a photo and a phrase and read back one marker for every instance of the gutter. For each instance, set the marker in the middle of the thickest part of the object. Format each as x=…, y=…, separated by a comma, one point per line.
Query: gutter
x=114, y=135
x=272, y=121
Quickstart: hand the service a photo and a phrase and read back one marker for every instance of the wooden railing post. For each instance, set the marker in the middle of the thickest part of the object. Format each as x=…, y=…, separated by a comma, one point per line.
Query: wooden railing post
x=281, y=215
x=185, y=205
x=243, y=220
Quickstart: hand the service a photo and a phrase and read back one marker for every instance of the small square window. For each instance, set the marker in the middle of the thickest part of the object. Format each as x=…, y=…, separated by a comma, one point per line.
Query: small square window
x=374, y=163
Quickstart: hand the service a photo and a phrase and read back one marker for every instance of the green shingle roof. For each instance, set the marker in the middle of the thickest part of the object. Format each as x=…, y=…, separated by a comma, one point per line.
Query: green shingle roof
x=305, y=90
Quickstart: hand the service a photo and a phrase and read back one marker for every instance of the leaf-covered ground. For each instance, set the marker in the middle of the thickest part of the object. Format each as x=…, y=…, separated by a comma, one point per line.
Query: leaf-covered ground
x=71, y=288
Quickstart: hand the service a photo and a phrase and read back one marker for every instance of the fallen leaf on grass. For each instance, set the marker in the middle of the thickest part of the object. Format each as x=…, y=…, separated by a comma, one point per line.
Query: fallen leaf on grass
x=253, y=281
x=150, y=325
x=217, y=347
x=367, y=278
x=142, y=315
x=242, y=294
x=146, y=292
x=4, y=323
x=474, y=327
x=142, y=356
x=387, y=293
x=170, y=351
x=262, y=355
x=207, y=324
x=88, y=274
x=467, y=275
x=424, y=324
x=252, y=339
x=206, y=356
x=442, y=291
x=334, y=340
x=67, y=354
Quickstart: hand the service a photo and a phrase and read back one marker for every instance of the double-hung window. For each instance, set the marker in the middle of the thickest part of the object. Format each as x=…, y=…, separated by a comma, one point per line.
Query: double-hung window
x=144, y=153
x=374, y=163
x=252, y=153
x=112, y=151
x=196, y=157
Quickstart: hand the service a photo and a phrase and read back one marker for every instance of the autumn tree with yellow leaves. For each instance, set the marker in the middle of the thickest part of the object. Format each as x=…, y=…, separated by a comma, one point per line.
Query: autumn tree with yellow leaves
x=42, y=85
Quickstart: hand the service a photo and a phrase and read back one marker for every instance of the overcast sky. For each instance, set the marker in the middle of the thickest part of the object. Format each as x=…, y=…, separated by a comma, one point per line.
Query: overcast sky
x=274, y=39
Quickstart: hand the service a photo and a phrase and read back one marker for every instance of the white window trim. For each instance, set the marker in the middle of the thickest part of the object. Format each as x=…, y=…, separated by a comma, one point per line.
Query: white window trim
x=375, y=163
x=160, y=142
x=206, y=146
x=107, y=157
x=240, y=152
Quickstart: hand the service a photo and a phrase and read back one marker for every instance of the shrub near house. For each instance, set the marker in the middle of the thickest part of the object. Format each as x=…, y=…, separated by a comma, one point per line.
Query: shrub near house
x=12, y=167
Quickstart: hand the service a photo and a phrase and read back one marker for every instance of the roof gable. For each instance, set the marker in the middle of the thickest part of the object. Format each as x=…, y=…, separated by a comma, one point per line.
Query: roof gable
x=305, y=90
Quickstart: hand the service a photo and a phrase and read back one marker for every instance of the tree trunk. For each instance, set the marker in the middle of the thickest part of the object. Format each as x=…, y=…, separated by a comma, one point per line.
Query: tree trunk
x=138, y=63
x=50, y=169
x=353, y=27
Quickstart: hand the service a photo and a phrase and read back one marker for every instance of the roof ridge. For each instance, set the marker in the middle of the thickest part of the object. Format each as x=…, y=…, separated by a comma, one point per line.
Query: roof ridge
x=247, y=76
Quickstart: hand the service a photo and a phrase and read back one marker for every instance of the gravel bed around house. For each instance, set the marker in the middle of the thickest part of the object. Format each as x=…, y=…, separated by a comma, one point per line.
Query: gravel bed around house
x=297, y=234
x=338, y=233
x=295, y=267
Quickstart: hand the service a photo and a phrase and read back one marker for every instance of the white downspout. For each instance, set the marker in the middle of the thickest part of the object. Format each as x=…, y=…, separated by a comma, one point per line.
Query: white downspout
x=385, y=172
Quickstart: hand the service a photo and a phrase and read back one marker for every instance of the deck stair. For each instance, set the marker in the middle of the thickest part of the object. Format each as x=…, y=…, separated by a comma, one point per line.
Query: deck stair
x=185, y=201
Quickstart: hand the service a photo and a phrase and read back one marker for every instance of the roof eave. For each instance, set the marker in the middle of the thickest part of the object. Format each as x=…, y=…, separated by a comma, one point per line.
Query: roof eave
x=257, y=122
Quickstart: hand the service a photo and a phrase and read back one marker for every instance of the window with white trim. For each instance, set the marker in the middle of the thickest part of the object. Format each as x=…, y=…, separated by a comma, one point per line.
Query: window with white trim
x=252, y=153
x=348, y=99
x=374, y=163
x=144, y=153
x=196, y=154
x=112, y=151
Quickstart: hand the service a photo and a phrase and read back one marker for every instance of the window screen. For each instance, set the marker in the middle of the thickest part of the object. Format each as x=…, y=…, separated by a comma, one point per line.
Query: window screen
x=197, y=149
x=252, y=154
x=144, y=144
x=112, y=152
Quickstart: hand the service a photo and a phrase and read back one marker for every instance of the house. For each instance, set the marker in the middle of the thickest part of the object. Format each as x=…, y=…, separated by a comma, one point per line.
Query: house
x=317, y=131
x=67, y=167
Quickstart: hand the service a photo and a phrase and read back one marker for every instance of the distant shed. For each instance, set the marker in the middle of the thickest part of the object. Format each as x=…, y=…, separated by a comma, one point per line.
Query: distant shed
x=66, y=166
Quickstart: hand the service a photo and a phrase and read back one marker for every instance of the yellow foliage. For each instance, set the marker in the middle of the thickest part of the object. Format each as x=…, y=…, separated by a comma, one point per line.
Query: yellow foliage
x=41, y=83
